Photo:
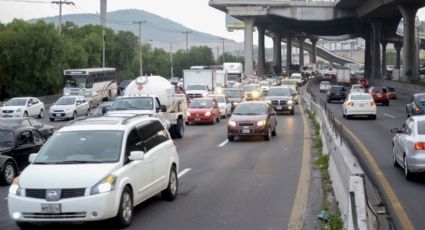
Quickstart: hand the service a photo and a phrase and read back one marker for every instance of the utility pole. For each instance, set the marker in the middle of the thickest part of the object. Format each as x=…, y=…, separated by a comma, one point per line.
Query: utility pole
x=187, y=39
x=60, y=3
x=103, y=12
x=223, y=50
x=141, y=45
x=171, y=59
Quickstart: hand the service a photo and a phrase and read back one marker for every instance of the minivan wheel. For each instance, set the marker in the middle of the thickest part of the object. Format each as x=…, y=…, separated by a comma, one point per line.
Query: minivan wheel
x=8, y=174
x=125, y=210
x=170, y=193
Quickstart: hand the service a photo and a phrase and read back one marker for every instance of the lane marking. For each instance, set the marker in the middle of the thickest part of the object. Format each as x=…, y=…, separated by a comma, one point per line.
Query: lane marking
x=299, y=206
x=393, y=199
x=183, y=172
x=223, y=143
x=388, y=115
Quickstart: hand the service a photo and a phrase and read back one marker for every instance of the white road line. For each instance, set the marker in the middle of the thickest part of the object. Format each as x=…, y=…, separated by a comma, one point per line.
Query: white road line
x=388, y=115
x=223, y=143
x=183, y=172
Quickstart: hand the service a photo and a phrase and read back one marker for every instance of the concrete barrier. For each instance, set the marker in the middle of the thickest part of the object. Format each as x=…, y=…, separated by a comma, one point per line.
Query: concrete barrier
x=401, y=87
x=346, y=175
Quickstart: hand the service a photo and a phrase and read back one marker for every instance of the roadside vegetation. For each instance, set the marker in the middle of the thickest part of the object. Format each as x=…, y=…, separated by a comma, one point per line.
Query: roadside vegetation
x=33, y=56
x=331, y=214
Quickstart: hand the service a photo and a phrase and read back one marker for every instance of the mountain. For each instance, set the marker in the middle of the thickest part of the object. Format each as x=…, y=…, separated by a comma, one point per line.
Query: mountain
x=161, y=31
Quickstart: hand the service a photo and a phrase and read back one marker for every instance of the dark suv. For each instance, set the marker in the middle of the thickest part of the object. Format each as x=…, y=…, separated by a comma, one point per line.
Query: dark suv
x=336, y=93
x=380, y=95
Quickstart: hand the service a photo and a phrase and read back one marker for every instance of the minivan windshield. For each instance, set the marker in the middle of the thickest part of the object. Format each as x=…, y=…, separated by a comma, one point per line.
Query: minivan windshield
x=202, y=103
x=66, y=101
x=81, y=147
x=250, y=109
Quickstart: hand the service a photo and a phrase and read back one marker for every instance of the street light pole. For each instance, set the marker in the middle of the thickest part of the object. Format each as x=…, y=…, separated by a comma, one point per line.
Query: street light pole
x=141, y=45
x=171, y=59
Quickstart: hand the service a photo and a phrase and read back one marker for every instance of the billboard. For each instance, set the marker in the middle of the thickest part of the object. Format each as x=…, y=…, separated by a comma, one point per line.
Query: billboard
x=234, y=23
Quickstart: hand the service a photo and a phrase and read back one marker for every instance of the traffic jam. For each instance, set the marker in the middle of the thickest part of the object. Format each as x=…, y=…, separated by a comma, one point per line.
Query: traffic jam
x=136, y=120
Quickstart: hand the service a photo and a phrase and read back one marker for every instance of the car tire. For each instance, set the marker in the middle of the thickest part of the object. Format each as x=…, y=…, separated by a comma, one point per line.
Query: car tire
x=274, y=133
x=52, y=119
x=125, y=210
x=348, y=117
x=8, y=174
x=407, y=174
x=218, y=119
x=373, y=117
x=74, y=116
x=231, y=138
x=292, y=112
x=268, y=135
x=25, y=114
x=41, y=113
x=170, y=193
x=179, y=129
x=395, y=163
x=88, y=112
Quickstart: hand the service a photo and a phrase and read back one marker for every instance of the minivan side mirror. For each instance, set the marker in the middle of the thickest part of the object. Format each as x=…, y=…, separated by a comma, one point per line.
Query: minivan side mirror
x=32, y=157
x=136, y=156
x=395, y=130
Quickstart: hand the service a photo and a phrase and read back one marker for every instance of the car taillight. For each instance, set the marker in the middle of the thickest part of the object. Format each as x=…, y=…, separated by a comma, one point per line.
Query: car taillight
x=372, y=103
x=417, y=109
x=420, y=146
x=350, y=104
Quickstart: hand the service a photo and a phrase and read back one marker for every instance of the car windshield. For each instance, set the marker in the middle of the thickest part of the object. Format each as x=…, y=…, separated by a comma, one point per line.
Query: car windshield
x=264, y=84
x=379, y=90
x=288, y=82
x=325, y=83
x=279, y=92
x=132, y=103
x=251, y=109
x=65, y=101
x=361, y=97
x=337, y=89
x=16, y=102
x=6, y=139
x=196, y=87
x=201, y=104
x=220, y=99
x=357, y=87
x=295, y=77
x=247, y=88
x=232, y=93
x=81, y=147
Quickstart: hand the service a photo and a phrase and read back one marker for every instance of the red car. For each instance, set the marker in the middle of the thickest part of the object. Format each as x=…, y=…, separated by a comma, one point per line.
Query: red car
x=252, y=118
x=380, y=95
x=364, y=83
x=203, y=110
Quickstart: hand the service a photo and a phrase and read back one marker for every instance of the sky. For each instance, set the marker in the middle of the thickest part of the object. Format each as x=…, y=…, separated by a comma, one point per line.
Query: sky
x=204, y=18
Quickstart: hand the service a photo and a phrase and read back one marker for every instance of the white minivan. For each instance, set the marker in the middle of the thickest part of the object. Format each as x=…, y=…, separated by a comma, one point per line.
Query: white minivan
x=96, y=169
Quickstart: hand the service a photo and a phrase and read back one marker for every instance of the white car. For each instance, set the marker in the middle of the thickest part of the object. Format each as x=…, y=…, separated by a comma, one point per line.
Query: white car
x=359, y=104
x=265, y=86
x=357, y=89
x=69, y=107
x=409, y=146
x=23, y=107
x=324, y=86
x=96, y=169
x=224, y=105
x=298, y=77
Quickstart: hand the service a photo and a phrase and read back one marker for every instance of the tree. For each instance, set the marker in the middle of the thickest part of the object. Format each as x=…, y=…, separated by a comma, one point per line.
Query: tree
x=228, y=57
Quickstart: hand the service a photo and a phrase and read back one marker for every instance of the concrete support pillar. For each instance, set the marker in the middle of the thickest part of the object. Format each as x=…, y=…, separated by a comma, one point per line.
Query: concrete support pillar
x=313, y=51
x=277, y=53
x=261, y=62
x=410, y=54
x=288, y=52
x=398, y=46
x=249, y=42
x=376, y=51
x=384, y=59
x=301, y=57
x=367, y=58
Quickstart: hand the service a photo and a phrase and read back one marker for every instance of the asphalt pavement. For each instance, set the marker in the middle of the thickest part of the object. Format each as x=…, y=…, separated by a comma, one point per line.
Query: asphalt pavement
x=247, y=184
x=376, y=137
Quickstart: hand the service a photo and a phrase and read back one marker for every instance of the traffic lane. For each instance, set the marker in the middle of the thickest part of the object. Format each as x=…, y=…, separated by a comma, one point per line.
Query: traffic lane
x=376, y=136
x=247, y=184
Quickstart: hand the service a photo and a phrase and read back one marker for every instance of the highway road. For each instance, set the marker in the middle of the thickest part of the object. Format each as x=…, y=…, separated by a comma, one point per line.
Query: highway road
x=376, y=137
x=247, y=184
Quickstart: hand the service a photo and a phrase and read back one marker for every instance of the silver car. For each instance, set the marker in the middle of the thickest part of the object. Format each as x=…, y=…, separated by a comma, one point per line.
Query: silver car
x=69, y=107
x=409, y=146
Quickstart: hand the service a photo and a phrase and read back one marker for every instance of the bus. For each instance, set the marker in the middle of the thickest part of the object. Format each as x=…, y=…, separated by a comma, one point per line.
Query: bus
x=96, y=84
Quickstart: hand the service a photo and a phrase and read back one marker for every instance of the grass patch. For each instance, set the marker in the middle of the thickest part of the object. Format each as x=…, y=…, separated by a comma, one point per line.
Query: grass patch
x=322, y=163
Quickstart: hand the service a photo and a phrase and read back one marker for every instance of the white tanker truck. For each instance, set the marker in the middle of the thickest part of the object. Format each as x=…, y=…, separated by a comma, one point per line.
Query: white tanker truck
x=154, y=96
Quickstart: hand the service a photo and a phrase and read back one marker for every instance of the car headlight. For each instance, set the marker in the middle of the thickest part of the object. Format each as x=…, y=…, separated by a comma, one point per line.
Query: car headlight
x=269, y=102
x=261, y=123
x=15, y=189
x=207, y=114
x=19, y=110
x=290, y=102
x=188, y=114
x=232, y=123
x=68, y=109
x=107, y=184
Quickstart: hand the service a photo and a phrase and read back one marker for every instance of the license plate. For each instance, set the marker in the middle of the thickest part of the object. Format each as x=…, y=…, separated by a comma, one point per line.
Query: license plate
x=51, y=208
x=361, y=105
x=245, y=131
x=279, y=107
x=197, y=119
x=379, y=95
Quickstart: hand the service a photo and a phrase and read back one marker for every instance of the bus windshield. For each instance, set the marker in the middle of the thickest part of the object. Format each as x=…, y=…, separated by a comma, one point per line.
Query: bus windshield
x=75, y=81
